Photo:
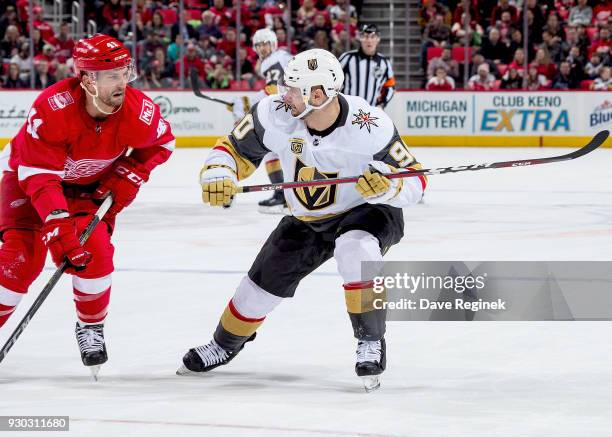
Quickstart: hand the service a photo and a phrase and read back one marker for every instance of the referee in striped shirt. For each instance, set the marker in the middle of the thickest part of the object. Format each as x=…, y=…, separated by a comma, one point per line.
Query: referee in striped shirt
x=367, y=73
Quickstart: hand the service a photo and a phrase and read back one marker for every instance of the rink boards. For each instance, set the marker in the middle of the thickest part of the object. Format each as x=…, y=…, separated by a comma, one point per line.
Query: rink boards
x=461, y=119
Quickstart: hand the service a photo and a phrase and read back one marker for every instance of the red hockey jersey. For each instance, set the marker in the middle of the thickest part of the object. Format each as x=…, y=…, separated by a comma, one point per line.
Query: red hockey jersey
x=61, y=143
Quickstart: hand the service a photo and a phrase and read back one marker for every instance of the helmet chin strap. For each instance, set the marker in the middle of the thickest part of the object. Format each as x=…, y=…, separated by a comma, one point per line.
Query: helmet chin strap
x=309, y=108
x=95, y=101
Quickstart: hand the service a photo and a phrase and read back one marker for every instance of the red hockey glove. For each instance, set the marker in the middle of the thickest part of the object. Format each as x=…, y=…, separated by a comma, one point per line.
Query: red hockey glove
x=60, y=236
x=123, y=182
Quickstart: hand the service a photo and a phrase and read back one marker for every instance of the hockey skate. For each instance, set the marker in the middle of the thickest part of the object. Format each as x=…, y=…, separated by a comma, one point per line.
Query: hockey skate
x=274, y=205
x=91, y=344
x=371, y=362
x=207, y=357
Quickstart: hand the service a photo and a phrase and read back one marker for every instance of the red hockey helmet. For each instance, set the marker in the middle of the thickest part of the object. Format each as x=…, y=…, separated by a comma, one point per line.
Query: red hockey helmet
x=100, y=53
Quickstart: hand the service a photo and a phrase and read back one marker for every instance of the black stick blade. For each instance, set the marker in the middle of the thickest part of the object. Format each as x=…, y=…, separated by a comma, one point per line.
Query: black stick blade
x=597, y=141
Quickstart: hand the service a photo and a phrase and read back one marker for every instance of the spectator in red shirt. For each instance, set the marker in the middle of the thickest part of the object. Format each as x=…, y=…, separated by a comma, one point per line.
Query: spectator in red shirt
x=113, y=10
x=603, y=44
x=518, y=62
x=536, y=81
x=544, y=65
x=440, y=81
x=602, y=12
x=192, y=61
x=277, y=9
x=228, y=44
x=458, y=13
x=64, y=43
x=46, y=31
x=340, y=26
x=503, y=5
x=281, y=36
x=223, y=14
x=245, y=13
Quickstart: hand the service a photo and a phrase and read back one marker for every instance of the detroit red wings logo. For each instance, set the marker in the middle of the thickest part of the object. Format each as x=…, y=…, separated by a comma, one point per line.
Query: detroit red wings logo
x=364, y=119
x=84, y=168
x=60, y=100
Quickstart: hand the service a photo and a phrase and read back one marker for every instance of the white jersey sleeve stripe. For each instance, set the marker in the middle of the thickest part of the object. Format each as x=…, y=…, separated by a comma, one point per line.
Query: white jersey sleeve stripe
x=8, y=297
x=24, y=172
x=170, y=145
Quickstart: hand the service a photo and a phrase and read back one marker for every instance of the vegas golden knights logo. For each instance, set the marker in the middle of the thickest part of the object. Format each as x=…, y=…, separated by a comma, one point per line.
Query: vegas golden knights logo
x=314, y=198
x=312, y=64
x=297, y=145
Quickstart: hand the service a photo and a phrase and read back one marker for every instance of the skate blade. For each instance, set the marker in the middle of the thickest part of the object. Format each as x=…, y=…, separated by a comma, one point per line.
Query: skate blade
x=370, y=383
x=278, y=209
x=181, y=371
x=94, y=371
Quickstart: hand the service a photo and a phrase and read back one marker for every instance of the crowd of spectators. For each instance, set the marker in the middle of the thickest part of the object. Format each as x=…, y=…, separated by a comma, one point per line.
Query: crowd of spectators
x=208, y=38
x=569, y=45
x=569, y=41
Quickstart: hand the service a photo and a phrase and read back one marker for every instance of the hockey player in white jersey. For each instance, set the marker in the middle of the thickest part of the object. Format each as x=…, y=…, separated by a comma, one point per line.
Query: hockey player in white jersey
x=317, y=133
x=272, y=65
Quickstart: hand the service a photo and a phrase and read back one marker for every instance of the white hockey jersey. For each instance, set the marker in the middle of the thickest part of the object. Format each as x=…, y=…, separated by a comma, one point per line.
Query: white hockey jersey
x=361, y=133
x=272, y=69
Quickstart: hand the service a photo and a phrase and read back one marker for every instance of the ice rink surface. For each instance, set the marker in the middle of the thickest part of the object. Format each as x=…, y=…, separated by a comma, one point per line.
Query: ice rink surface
x=178, y=262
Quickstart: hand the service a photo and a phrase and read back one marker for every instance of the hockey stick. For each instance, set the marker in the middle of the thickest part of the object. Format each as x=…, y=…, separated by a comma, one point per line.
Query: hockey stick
x=592, y=145
x=195, y=85
x=54, y=279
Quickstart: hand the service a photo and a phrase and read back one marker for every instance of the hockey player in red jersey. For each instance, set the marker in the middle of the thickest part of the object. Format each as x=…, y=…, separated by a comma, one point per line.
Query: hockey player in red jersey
x=70, y=154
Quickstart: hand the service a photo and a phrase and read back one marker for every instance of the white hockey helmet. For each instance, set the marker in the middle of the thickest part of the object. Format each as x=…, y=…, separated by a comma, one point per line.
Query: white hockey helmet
x=311, y=68
x=265, y=35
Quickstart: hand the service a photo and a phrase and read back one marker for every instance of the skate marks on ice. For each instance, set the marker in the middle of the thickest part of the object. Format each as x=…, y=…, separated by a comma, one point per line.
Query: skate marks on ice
x=476, y=402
